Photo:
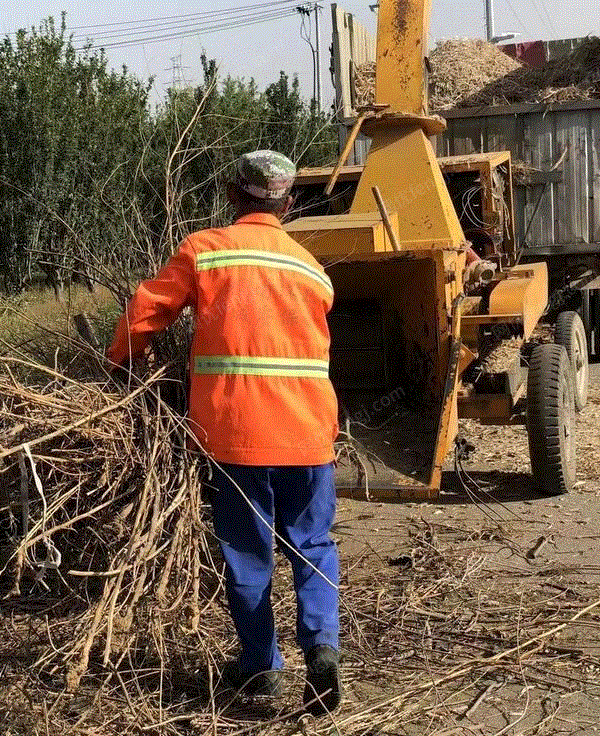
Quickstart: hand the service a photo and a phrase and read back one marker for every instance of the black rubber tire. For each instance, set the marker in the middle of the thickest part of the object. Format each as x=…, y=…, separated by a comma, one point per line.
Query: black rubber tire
x=570, y=332
x=551, y=419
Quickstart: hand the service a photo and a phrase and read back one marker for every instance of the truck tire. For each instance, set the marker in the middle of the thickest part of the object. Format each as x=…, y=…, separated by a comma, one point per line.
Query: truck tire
x=551, y=419
x=570, y=332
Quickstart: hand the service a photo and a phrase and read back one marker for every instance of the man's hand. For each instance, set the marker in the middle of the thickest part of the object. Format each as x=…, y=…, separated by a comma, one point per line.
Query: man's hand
x=132, y=368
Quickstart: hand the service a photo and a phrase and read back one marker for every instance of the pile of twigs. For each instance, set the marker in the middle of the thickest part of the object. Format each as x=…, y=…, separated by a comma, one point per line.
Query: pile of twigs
x=100, y=506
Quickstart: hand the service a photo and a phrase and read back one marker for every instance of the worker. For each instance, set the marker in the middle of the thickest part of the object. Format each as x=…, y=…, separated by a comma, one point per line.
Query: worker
x=264, y=411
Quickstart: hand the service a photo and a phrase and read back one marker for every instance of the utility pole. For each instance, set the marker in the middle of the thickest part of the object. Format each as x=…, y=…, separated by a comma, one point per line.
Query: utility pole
x=489, y=25
x=317, y=9
x=177, y=72
x=306, y=10
x=489, y=20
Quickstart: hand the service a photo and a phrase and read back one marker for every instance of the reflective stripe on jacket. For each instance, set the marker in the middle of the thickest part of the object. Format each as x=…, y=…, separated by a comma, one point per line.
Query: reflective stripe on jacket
x=260, y=392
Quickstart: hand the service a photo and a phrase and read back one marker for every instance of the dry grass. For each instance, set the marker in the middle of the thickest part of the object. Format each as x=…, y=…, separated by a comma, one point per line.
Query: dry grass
x=41, y=306
x=36, y=325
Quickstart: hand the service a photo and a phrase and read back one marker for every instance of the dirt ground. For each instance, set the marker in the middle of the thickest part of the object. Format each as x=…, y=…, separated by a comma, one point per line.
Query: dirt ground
x=528, y=564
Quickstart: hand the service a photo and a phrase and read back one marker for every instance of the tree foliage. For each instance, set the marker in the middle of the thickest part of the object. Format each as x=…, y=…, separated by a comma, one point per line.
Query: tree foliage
x=208, y=127
x=91, y=176
x=70, y=132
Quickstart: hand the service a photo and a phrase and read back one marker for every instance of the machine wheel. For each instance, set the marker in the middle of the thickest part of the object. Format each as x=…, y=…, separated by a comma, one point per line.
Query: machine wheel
x=551, y=419
x=570, y=332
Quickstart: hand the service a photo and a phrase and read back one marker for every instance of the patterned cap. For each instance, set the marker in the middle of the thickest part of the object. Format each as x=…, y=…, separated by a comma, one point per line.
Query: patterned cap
x=265, y=174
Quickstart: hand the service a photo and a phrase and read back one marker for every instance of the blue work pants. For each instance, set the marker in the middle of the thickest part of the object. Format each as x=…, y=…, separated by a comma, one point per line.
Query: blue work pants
x=299, y=502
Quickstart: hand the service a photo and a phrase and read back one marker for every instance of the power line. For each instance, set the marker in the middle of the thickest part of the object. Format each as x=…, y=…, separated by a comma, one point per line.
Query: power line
x=193, y=32
x=518, y=19
x=176, y=27
x=186, y=21
x=117, y=25
x=547, y=14
x=547, y=22
x=217, y=11
x=305, y=12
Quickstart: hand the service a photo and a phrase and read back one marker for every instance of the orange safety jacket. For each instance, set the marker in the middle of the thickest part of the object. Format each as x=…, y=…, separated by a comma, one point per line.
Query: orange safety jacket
x=260, y=392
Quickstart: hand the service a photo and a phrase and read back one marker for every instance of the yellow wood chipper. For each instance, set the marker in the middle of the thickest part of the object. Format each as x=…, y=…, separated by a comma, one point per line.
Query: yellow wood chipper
x=434, y=318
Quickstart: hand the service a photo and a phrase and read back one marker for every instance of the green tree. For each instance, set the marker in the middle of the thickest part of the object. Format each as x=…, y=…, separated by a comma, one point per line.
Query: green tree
x=70, y=130
x=295, y=128
x=91, y=179
x=208, y=127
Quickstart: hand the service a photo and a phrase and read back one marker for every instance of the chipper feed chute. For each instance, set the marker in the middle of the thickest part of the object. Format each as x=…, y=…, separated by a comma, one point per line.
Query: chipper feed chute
x=397, y=261
x=395, y=324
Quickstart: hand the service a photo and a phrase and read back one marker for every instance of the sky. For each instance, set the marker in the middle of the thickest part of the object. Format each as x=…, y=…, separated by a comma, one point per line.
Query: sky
x=272, y=44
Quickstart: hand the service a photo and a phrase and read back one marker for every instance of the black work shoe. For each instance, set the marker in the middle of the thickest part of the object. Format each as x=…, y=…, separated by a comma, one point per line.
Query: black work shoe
x=266, y=684
x=323, y=685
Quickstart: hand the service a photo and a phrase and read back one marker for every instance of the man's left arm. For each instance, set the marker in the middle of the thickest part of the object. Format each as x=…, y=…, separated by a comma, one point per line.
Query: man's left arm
x=155, y=305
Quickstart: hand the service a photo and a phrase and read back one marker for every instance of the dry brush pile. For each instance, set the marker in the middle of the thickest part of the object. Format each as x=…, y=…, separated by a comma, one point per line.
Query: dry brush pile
x=100, y=507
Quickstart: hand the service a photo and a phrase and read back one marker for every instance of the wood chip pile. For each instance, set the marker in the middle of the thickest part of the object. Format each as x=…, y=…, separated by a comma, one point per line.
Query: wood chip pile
x=470, y=73
x=575, y=76
x=461, y=68
x=364, y=84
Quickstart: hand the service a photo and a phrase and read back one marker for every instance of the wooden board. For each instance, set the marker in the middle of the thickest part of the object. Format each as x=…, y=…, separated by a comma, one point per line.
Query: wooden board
x=467, y=137
x=538, y=152
x=353, y=44
x=571, y=223
x=569, y=210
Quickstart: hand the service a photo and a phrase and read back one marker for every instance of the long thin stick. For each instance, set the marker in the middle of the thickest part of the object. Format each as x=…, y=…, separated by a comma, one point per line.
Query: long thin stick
x=345, y=153
x=479, y=700
x=89, y=418
x=385, y=218
x=24, y=495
